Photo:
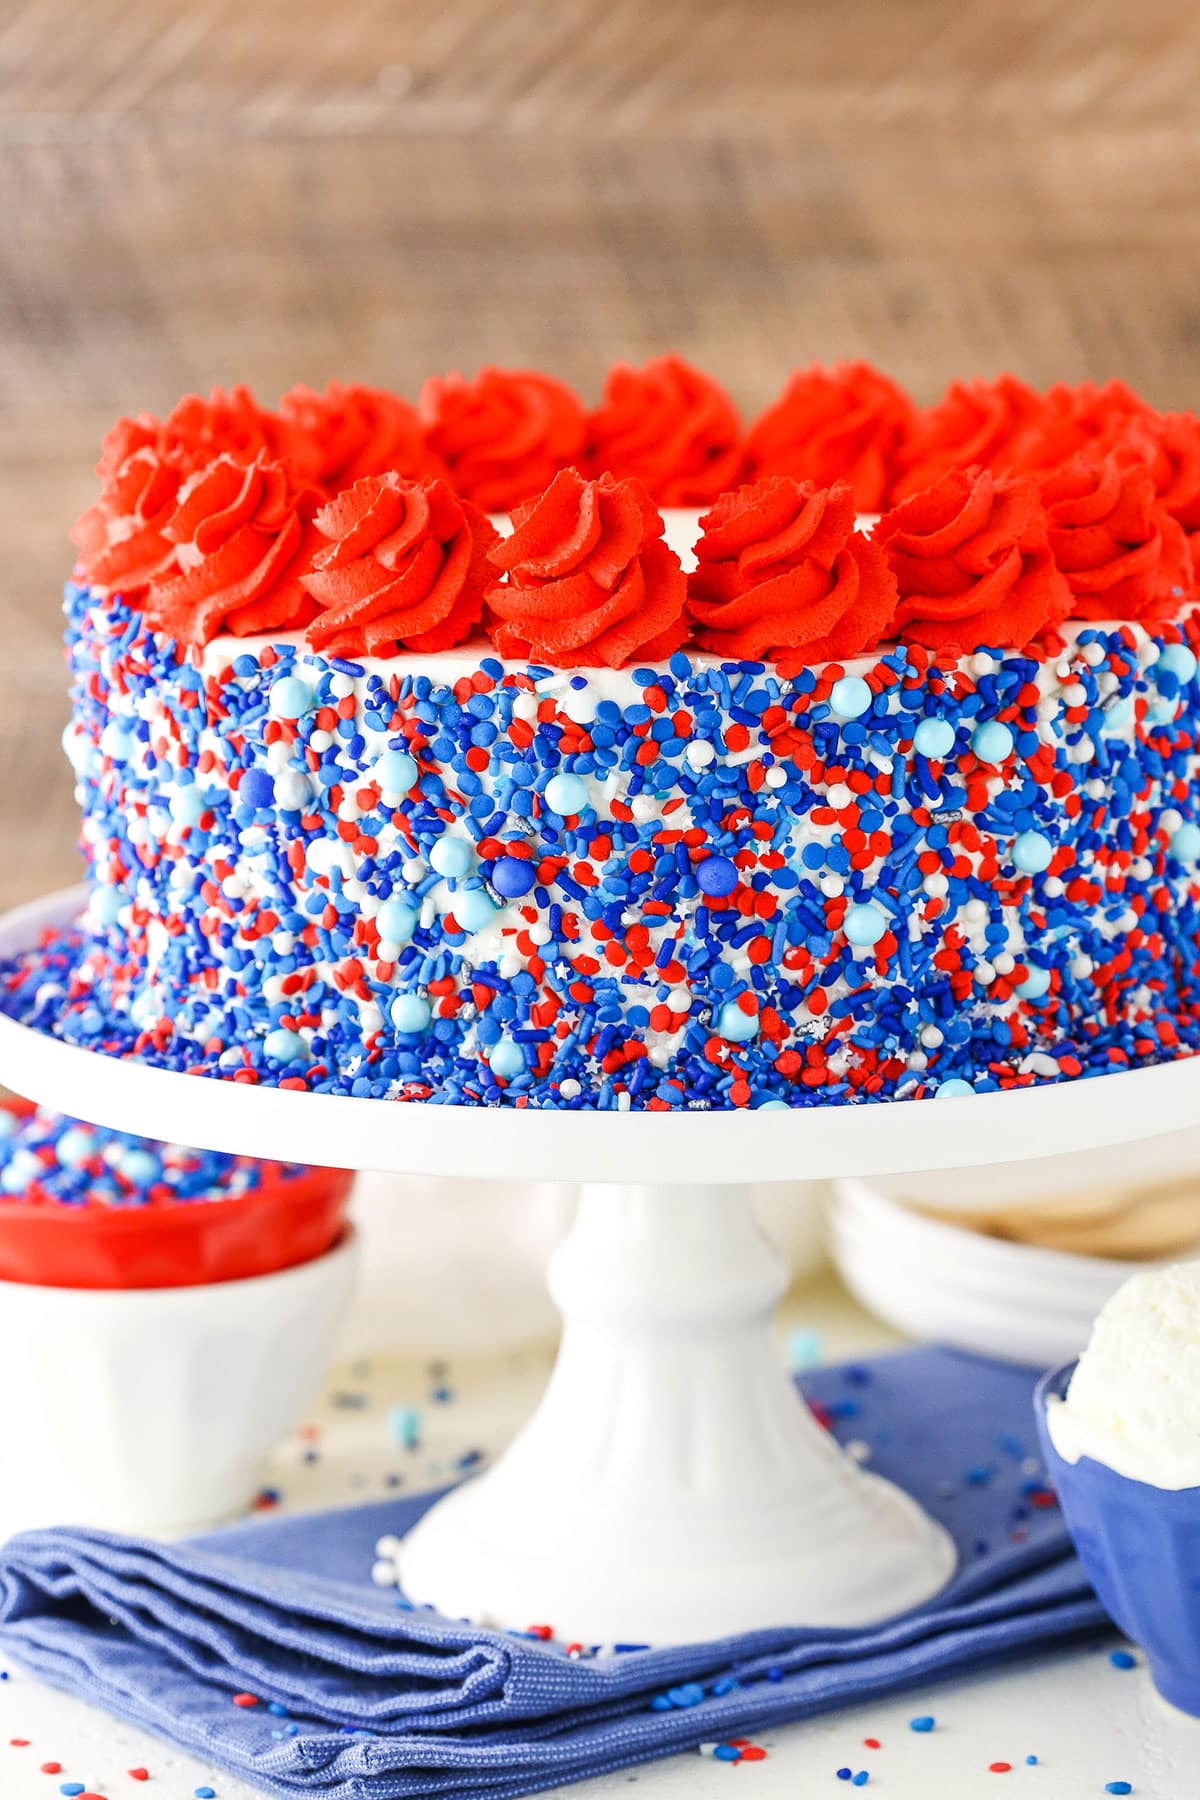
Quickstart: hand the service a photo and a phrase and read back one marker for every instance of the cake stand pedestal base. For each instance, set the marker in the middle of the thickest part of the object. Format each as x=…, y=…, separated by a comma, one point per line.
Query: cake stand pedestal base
x=672, y=1486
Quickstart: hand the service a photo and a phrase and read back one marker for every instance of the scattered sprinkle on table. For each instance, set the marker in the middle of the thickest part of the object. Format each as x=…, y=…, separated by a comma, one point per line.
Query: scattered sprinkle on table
x=999, y=1768
x=206, y=1793
x=1121, y=1659
x=871, y=1744
x=52, y=1768
x=844, y=1774
x=139, y=1774
x=1031, y=1761
x=72, y=1789
x=1118, y=1787
x=923, y=1722
x=861, y=1779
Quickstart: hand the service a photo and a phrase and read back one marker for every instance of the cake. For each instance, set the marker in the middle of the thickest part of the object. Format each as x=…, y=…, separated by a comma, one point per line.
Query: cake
x=495, y=751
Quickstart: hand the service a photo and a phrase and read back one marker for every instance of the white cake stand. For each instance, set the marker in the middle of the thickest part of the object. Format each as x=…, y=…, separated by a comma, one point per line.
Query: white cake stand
x=670, y=1486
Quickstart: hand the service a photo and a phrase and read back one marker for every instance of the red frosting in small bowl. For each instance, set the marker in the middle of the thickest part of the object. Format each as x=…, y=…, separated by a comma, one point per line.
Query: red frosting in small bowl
x=242, y=532
x=1123, y=555
x=348, y=432
x=781, y=571
x=672, y=427
x=590, y=581
x=503, y=436
x=973, y=564
x=406, y=565
x=839, y=424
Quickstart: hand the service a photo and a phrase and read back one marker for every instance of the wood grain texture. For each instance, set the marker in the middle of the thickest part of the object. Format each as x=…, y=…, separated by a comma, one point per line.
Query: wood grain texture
x=295, y=189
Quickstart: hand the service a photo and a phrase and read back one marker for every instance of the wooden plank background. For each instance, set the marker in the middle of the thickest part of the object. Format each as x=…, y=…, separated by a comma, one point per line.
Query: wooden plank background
x=283, y=190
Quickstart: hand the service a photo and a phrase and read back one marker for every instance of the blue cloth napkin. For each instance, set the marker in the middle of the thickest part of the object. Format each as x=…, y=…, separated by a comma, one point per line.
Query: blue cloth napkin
x=362, y=1700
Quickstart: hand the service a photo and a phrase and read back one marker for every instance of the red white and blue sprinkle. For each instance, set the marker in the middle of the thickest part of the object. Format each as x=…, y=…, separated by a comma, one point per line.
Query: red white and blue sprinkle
x=773, y=895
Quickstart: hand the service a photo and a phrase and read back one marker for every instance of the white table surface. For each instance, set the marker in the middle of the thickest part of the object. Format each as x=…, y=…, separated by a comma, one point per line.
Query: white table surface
x=1086, y=1722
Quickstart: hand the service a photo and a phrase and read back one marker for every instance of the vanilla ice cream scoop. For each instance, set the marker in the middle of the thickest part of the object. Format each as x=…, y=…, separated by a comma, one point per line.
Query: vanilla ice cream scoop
x=1134, y=1400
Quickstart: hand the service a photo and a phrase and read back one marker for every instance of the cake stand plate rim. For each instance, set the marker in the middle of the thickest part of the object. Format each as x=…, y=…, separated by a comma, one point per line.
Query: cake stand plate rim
x=810, y=1143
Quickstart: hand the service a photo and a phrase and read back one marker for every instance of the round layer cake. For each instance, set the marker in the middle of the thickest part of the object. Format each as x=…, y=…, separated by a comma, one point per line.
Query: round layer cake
x=940, y=860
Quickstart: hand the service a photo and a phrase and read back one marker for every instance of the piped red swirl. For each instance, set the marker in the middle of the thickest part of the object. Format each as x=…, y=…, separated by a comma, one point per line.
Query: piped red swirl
x=973, y=563
x=1123, y=555
x=121, y=537
x=590, y=581
x=503, y=436
x=839, y=424
x=405, y=566
x=242, y=534
x=781, y=572
x=671, y=427
x=1001, y=425
x=348, y=432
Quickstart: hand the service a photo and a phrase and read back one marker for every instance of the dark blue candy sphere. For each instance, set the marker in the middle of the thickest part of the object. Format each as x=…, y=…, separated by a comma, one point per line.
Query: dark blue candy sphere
x=717, y=876
x=256, y=788
x=513, y=876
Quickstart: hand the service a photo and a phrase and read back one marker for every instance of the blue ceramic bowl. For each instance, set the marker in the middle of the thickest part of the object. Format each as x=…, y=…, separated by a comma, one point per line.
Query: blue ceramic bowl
x=1140, y=1547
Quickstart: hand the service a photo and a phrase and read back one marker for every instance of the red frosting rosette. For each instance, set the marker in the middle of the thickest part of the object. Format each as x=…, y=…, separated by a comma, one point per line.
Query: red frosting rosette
x=1123, y=555
x=781, y=571
x=242, y=534
x=973, y=563
x=503, y=436
x=1001, y=425
x=226, y=424
x=348, y=432
x=406, y=565
x=121, y=539
x=839, y=424
x=672, y=427
x=590, y=581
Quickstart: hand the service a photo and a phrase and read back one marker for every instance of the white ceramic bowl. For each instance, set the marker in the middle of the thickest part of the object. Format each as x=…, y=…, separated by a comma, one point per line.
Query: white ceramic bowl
x=152, y=1410
x=938, y=1282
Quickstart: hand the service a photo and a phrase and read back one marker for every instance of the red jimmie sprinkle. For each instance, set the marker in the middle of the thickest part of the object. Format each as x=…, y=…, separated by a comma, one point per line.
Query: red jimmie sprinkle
x=245, y=1699
x=1000, y=1768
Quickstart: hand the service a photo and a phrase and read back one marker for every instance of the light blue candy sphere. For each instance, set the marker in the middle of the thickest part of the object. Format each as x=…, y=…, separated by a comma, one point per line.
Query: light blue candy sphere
x=1185, y=843
x=139, y=1166
x=291, y=698
x=186, y=805
x=285, y=1046
x=1032, y=852
x=395, y=771
x=397, y=921
x=735, y=1025
x=1035, y=985
x=74, y=1147
x=773, y=1106
x=1118, y=714
x=451, y=856
x=411, y=1012
x=106, y=904
x=1177, y=660
x=992, y=741
x=865, y=924
x=954, y=1089
x=851, y=697
x=506, y=1059
x=474, y=908
x=566, y=795
x=934, y=738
